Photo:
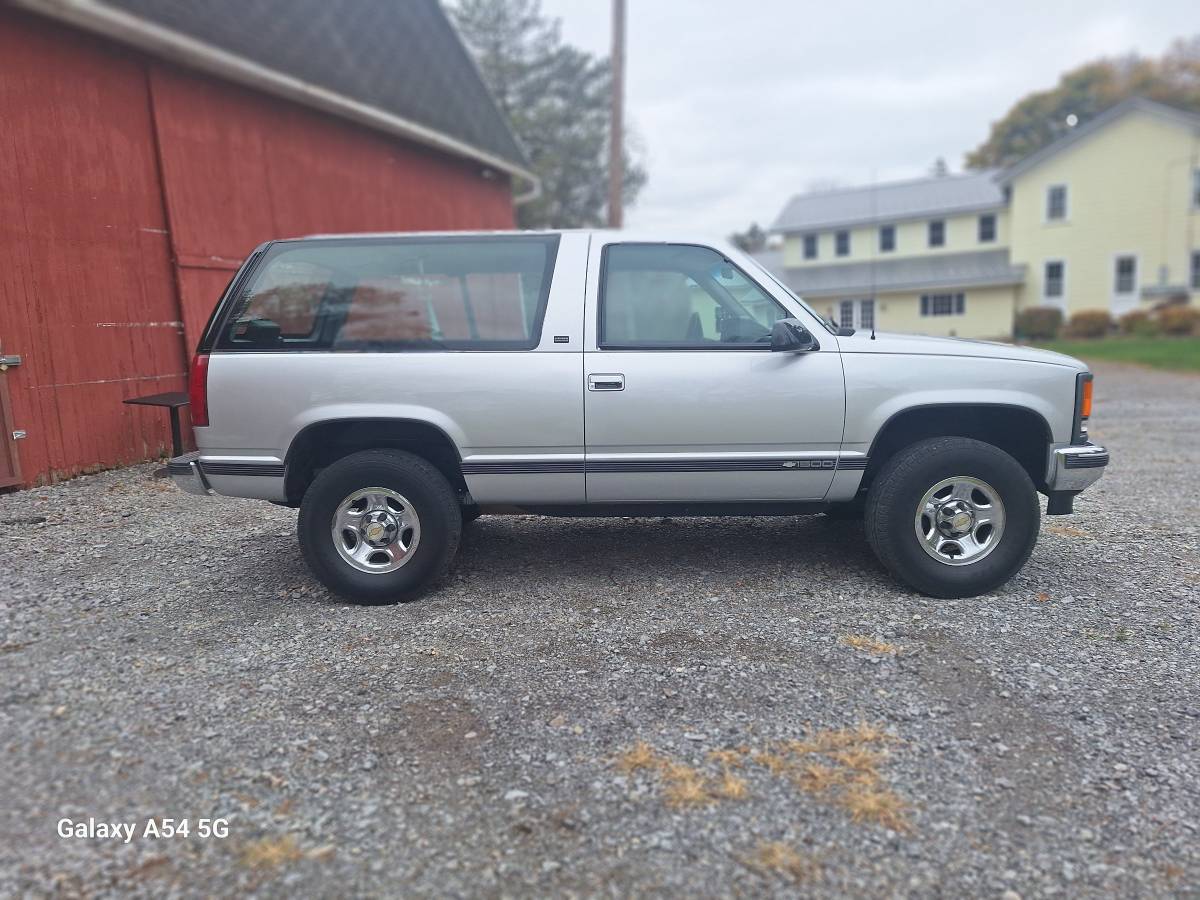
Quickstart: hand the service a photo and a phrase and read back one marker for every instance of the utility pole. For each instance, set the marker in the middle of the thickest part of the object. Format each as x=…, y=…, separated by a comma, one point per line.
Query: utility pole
x=616, y=130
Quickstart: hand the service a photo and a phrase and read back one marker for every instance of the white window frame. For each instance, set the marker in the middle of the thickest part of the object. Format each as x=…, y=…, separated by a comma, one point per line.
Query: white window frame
x=1061, y=300
x=1066, y=216
x=927, y=301
x=1137, y=271
x=882, y=229
x=929, y=234
x=995, y=238
x=855, y=308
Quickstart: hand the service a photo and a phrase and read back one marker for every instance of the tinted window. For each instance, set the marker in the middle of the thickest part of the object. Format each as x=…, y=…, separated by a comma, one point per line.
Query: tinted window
x=393, y=294
x=682, y=297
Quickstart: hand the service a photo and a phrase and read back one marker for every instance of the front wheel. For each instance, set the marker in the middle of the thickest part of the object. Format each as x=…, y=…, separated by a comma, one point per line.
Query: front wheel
x=952, y=517
x=379, y=525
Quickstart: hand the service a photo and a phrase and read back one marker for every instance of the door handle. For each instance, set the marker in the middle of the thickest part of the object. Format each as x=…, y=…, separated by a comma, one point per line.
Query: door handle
x=606, y=382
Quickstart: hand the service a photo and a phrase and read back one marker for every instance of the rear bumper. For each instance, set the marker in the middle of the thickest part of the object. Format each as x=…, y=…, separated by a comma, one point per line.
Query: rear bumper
x=1075, y=467
x=185, y=472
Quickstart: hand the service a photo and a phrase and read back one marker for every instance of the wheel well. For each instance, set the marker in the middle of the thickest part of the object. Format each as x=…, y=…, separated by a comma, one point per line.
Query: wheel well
x=316, y=446
x=1021, y=433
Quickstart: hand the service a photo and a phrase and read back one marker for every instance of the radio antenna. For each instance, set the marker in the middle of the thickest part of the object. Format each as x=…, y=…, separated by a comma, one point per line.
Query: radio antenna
x=874, y=251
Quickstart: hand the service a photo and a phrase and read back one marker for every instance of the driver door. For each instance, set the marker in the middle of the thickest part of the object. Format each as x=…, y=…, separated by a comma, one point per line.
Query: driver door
x=684, y=399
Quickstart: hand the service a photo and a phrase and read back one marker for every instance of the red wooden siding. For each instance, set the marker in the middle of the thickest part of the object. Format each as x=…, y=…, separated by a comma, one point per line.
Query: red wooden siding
x=130, y=190
x=87, y=293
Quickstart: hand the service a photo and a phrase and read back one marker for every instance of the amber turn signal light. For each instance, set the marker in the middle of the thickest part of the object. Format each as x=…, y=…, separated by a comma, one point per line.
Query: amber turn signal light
x=1085, y=401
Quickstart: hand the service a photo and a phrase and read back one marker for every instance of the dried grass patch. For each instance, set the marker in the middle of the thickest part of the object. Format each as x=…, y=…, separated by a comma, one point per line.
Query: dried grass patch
x=271, y=852
x=1065, y=530
x=639, y=757
x=878, y=805
x=842, y=766
x=732, y=787
x=778, y=858
x=870, y=644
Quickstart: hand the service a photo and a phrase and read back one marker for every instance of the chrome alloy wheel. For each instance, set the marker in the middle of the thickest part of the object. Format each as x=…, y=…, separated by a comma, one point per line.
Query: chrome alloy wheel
x=376, y=530
x=960, y=520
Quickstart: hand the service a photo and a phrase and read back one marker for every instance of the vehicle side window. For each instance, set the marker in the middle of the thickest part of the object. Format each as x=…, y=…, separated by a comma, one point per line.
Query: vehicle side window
x=683, y=297
x=395, y=294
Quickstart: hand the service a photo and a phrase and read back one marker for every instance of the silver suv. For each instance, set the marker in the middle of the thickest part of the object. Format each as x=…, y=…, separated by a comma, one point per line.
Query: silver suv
x=393, y=387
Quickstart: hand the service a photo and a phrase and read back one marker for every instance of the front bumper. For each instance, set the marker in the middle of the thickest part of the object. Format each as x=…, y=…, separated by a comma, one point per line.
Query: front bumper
x=185, y=472
x=1075, y=467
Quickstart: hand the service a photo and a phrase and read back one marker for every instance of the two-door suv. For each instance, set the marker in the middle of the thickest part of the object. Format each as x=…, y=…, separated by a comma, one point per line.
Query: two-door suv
x=395, y=386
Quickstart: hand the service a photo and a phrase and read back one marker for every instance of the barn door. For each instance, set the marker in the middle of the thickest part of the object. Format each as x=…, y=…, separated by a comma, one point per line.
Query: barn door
x=10, y=469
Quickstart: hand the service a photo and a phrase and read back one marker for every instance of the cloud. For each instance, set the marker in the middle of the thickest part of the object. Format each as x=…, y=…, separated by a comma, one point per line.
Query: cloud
x=739, y=106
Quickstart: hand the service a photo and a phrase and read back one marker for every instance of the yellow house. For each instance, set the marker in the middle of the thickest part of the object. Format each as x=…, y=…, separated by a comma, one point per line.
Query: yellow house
x=1107, y=217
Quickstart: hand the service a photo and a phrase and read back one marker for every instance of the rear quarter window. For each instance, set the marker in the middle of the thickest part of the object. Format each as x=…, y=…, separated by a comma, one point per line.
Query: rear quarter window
x=395, y=295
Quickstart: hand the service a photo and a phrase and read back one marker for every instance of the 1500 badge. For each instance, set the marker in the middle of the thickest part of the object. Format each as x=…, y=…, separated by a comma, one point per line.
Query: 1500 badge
x=154, y=827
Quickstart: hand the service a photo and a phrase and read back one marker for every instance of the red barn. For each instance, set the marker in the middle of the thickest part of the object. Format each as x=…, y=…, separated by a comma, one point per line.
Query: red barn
x=148, y=145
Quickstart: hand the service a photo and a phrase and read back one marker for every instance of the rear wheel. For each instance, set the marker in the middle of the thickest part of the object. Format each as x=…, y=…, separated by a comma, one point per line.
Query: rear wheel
x=952, y=517
x=379, y=526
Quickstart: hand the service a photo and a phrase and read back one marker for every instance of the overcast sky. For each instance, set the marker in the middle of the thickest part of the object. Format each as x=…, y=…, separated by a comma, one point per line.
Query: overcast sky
x=738, y=105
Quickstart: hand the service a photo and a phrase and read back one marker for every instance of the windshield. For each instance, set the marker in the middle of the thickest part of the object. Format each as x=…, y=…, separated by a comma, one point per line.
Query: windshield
x=827, y=324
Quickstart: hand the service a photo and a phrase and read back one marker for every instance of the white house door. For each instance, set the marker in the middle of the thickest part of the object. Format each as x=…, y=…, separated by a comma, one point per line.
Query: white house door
x=859, y=314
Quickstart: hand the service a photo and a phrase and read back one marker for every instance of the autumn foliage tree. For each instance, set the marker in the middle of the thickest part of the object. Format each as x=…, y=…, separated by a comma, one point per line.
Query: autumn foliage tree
x=1042, y=117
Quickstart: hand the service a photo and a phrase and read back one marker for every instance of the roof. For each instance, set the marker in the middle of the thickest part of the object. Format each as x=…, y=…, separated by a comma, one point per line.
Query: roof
x=396, y=66
x=1090, y=127
x=944, y=270
x=893, y=201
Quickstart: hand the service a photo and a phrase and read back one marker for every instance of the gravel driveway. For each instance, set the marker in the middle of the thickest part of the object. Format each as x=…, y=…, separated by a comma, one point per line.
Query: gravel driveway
x=806, y=725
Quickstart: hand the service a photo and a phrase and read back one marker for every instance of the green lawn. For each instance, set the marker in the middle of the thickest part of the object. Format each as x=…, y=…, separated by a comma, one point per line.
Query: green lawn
x=1178, y=353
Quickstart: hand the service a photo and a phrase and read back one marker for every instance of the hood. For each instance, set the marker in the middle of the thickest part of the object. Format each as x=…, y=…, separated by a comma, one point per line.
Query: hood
x=919, y=345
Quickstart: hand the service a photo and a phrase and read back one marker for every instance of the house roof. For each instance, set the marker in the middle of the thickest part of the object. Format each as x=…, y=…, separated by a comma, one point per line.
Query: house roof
x=396, y=66
x=893, y=201
x=1090, y=127
x=946, y=270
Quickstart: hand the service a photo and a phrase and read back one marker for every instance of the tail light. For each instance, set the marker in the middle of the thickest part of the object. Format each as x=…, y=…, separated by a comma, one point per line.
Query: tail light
x=198, y=390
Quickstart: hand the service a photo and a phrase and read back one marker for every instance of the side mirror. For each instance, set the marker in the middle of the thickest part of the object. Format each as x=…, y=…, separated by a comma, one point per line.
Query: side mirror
x=789, y=336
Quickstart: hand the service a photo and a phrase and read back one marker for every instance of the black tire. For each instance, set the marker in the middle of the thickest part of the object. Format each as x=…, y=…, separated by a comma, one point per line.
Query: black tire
x=431, y=498
x=901, y=484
